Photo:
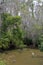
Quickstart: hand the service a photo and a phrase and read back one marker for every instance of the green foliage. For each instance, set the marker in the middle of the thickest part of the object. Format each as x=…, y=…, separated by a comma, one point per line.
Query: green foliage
x=11, y=31
x=41, y=42
x=4, y=16
x=2, y=63
x=4, y=43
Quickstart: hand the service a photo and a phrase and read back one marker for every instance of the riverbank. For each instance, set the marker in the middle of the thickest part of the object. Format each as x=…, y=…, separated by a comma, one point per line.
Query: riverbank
x=24, y=57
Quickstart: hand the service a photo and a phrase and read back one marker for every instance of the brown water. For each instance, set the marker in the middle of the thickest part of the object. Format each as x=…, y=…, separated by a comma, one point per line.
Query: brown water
x=17, y=57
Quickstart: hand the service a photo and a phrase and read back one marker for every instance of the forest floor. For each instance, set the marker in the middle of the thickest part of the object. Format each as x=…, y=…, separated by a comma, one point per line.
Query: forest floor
x=18, y=57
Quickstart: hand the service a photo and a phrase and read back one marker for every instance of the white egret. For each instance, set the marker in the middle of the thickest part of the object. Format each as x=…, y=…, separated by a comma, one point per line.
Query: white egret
x=33, y=54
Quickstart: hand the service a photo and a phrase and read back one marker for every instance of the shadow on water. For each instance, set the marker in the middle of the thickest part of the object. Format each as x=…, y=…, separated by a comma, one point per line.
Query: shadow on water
x=6, y=50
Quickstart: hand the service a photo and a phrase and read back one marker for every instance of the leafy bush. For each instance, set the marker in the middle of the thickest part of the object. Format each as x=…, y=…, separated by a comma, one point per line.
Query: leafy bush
x=4, y=43
x=11, y=33
x=41, y=42
x=41, y=47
